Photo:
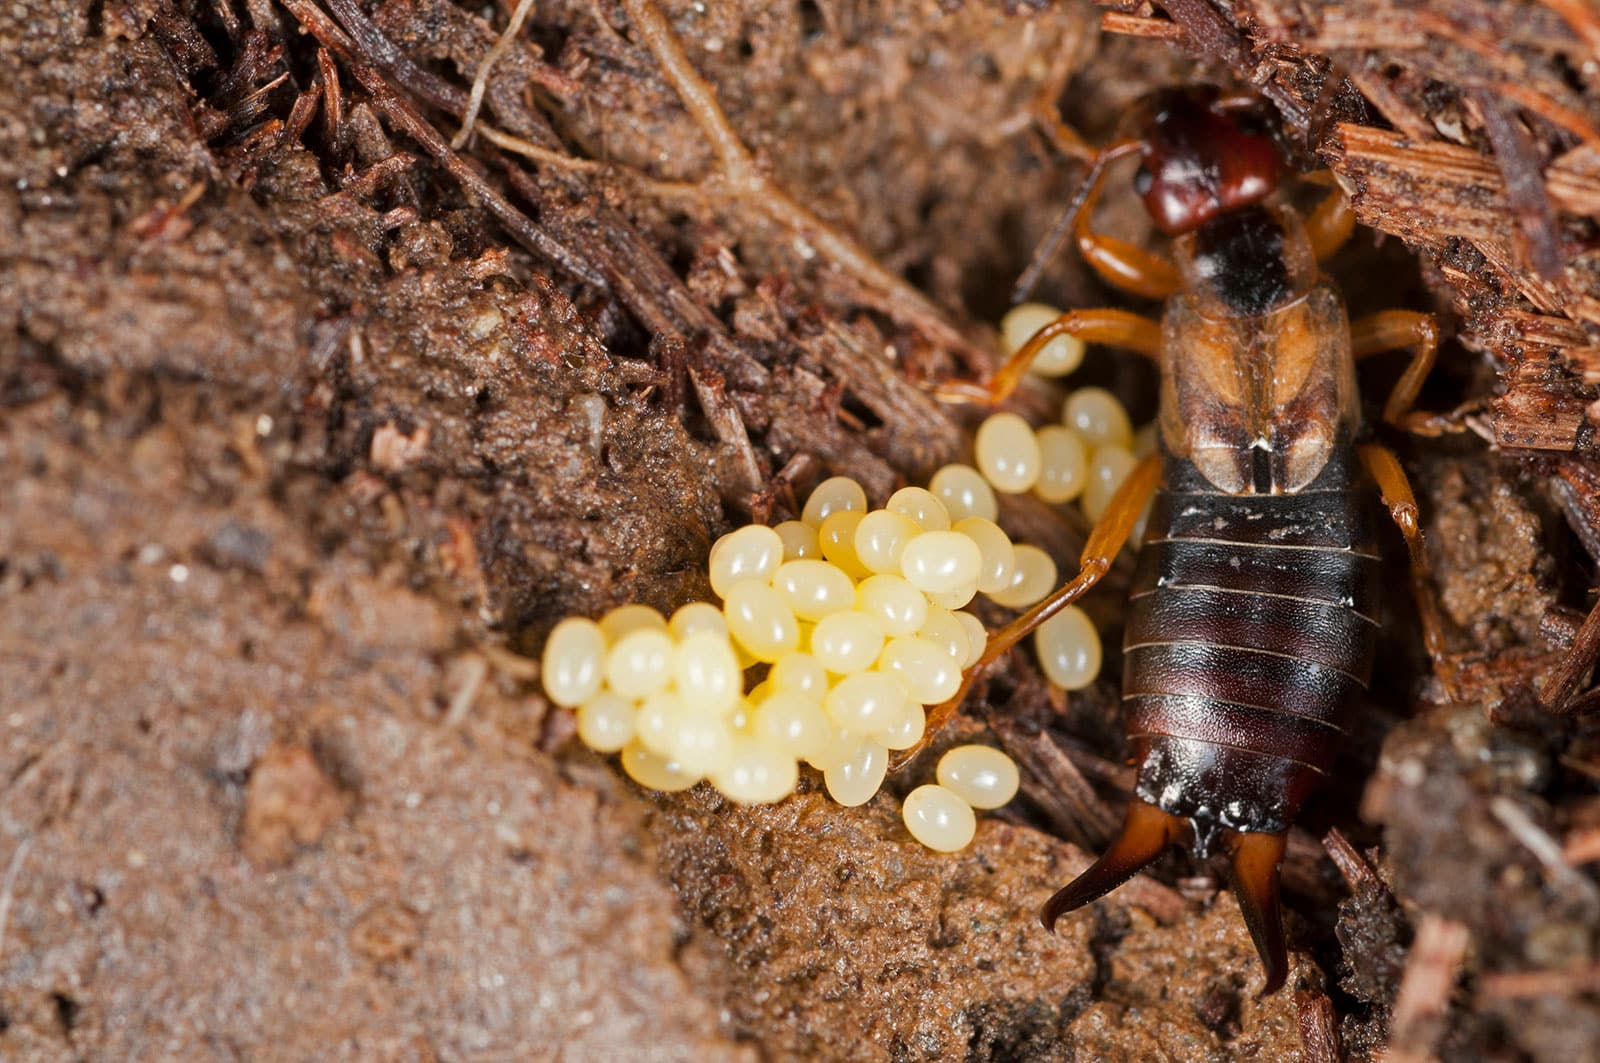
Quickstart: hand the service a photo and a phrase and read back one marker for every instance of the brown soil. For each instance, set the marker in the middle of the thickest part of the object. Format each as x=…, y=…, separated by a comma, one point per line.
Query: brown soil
x=311, y=428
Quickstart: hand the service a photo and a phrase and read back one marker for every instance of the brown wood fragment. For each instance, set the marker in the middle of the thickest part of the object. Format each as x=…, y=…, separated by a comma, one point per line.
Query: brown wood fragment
x=1160, y=29
x=1577, y=662
x=1053, y=782
x=1521, y=985
x=1520, y=167
x=1432, y=968
x=1357, y=873
x=1541, y=409
x=1319, y=1032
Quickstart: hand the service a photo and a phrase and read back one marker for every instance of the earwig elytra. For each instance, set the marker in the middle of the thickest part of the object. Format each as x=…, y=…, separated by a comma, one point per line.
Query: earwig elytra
x=1254, y=611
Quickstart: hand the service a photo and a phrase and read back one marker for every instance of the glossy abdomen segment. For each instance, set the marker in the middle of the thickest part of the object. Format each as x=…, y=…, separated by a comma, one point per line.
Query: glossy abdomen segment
x=1250, y=637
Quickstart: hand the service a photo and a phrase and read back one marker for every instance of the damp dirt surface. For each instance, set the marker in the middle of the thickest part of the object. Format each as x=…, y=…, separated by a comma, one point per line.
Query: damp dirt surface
x=312, y=426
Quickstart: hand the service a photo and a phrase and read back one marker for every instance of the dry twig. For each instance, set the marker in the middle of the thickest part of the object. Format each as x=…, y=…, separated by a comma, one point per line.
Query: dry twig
x=9, y=890
x=739, y=177
x=480, y=81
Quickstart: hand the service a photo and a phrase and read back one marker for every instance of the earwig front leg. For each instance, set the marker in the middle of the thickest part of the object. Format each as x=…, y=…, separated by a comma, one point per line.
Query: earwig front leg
x=1393, y=330
x=1121, y=264
x=1106, y=540
x=1395, y=490
x=1330, y=224
x=1117, y=328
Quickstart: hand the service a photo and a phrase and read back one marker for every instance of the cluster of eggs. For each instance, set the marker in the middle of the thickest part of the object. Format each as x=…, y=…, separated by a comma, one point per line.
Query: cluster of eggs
x=1085, y=457
x=857, y=616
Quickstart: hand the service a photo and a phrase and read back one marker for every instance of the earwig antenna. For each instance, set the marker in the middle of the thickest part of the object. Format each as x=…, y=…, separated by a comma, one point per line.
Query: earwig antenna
x=1051, y=244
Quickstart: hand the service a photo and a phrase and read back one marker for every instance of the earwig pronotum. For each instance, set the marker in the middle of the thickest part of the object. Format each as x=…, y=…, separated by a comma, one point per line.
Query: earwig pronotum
x=1254, y=611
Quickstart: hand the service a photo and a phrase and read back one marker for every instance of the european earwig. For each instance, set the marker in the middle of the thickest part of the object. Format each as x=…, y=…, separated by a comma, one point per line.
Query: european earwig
x=1254, y=612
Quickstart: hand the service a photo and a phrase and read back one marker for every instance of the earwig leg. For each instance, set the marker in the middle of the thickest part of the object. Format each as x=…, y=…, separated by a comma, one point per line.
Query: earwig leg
x=1106, y=540
x=1117, y=328
x=1146, y=832
x=1119, y=263
x=1395, y=489
x=1392, y=330
x=1254, y=873
x=1330, y=224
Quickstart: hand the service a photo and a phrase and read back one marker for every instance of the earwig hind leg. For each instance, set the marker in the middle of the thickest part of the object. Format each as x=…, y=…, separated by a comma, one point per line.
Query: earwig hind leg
x=1146, y=833
x=1330, y=224
x=1253, y=870
x=1393, y=330
x=1106, y=540
x=1116, y=328
x=1395, y=490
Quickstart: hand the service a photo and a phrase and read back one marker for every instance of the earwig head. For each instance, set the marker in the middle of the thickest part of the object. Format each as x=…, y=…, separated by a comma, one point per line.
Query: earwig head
x=1202, y=155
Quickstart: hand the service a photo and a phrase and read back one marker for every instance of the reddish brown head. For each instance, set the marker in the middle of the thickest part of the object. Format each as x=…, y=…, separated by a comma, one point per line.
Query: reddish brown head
x=1202, y=155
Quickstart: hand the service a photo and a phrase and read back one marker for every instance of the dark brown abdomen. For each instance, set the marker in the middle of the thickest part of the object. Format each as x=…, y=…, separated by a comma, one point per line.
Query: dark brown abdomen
x=1250, y=636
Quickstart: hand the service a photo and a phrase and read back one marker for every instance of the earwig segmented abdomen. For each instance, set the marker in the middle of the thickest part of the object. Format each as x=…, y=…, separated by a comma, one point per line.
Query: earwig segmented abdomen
x=1250, y=637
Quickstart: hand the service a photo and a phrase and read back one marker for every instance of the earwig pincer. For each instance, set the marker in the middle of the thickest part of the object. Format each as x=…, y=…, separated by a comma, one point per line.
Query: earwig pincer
x=1254, y=612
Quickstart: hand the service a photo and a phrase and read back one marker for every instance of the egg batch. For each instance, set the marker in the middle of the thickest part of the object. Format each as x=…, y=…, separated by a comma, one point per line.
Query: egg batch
x=852, y=622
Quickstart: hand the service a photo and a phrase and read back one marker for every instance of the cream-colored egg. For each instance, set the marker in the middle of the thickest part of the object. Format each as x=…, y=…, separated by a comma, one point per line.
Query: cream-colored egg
x=847, y=642
x=941, y=562
x=854, y=781
x=757, y=773
x=881, y=538
x=1069, y=649
x=625, y=618
x=981, y=776
x=799, y=541
x=699, y=744
x=832, y=496
x=864, y=703
x=840, y=747
x=1007, y=453
x=997, y=557
x=953, y=600
x=907, y=731
x=696, y=617
x=753, y=552
x=1058, y=357
x=1098, y=417
x=793, y=723
x=924, y=668
x=799, y=673
x=977, y=638
x=656, y=720
x=1064, y=471
x=707, y=673
x=573, y=663
x=1108, y=467
x=813, y=589
x=1144, y=441
x=921, y=506
x=939, y=819
x=640, y=662
x=901, y=608
x=837, y=537
x=653, y=771
x=605, y=722
x=760, y=620
x=945, y=630
x=964, y=492
x=1033, y=578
